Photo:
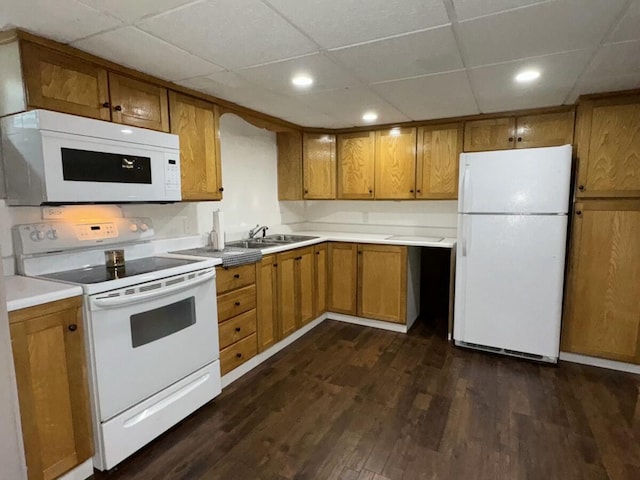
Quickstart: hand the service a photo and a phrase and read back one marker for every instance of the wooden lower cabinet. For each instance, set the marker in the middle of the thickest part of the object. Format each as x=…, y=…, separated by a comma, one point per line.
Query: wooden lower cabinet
x=382, y=282
x=295, y=289
x=343, y=277
x=321, y=267
x=602, y=301
x=49, y=356
x=269, y=330
x=236, y=354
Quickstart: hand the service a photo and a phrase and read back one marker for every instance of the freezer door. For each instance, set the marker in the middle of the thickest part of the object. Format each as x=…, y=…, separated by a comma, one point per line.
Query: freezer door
x=531, y=180
x=509, y=279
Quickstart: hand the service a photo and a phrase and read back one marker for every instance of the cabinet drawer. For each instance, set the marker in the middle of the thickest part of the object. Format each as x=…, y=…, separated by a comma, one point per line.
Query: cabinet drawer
x=236, y=302
x=237, y=328
x=238, y=353
x=235, y=277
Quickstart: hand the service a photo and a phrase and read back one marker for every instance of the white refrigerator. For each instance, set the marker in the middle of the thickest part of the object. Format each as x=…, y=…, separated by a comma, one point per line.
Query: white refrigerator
x=512, y=228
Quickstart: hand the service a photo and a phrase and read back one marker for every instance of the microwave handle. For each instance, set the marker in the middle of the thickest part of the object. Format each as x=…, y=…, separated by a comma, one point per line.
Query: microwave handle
x=110, y=302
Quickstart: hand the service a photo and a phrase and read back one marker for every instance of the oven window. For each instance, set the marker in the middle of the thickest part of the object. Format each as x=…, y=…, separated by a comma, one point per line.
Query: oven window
x=147, y=327
x=88, y=166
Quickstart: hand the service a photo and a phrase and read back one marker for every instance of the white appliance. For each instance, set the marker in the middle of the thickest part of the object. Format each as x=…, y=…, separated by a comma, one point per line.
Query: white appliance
x=512, y=226
x=55, y=158
x=151, y=328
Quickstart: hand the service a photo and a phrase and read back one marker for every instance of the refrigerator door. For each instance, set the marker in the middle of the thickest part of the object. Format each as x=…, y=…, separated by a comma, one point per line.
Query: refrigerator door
x=532, y=180
x=509, y=279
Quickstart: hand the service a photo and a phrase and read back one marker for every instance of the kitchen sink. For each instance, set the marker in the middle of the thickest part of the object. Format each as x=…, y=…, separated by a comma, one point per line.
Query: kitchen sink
x=256, y=243
x=285, y=238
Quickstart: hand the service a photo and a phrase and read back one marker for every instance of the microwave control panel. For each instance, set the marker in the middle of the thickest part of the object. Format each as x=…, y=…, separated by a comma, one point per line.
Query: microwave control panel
x=172, y=173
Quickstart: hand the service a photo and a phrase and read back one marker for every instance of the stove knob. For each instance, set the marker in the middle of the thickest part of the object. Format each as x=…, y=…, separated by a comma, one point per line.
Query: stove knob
x=144, y=227
x=52, y=234
x=37, y=235
x=133, y=227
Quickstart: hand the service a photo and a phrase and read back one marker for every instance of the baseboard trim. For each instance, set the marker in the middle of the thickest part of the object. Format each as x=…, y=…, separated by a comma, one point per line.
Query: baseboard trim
x=394, y=327
x=81, y=472
x=600, y=362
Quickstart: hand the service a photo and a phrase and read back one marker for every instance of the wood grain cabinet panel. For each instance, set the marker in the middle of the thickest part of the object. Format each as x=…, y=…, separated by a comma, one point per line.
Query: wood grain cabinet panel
x=395, y=163
x=343, y=278
x=382, y=282
x=197, y=124
x=231, y=278
x=62, y=83
x=356, y=165
x=608, y=134
x=305, y=285
x=545, y=130
x=490, y=134
x=321, y=268
x=237, y=328
x=287, y=300
x=319, y=166
x=48, y=351
x=236, y=302
x=602, y=307
x=289, y=165
x=269, y=331
x=236, y=354
x=138, y=103
x=439, y=149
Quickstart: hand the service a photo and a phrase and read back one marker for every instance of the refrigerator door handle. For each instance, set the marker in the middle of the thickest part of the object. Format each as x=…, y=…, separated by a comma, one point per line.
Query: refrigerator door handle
x=466, y=181
x=463, y=235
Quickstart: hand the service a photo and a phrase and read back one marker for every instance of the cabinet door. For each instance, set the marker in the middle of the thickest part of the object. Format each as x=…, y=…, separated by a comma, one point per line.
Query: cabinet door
x=138, y=103
x=491, y=134
x=608, y=137
x=382, y=282
x=355, y=165
x=395, y=163
x=196, y=123
x=268, y=328
x=287, y=300
x=289, y=165
x=48, y=351
x=321, y=266
x=546, y=130
x=439, y=150
x=305, y=285
x=602, y=311
x=57, y=82
x=319, y=165
x=343, y=278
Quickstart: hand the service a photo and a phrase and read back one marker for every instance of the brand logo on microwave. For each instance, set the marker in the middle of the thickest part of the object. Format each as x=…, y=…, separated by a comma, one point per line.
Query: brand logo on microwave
x=128, y=164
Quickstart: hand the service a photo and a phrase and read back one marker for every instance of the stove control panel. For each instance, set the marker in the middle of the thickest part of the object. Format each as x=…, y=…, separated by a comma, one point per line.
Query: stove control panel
x=54, y=236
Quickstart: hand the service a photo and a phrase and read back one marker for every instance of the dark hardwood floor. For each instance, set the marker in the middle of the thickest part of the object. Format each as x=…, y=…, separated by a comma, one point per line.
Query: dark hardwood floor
x=350, y=402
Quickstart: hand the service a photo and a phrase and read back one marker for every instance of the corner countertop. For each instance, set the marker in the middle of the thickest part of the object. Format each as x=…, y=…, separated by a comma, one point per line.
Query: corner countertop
x=23, y=292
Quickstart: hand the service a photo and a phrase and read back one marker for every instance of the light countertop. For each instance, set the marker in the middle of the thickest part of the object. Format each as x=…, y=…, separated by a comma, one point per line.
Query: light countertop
x=23, y=292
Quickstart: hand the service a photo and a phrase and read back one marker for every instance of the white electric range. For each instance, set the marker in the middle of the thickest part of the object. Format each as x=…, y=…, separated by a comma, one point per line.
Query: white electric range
x=151, y=327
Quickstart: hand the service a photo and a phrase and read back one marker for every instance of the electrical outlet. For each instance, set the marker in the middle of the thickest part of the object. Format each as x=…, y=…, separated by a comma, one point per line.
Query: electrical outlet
x=52, y=212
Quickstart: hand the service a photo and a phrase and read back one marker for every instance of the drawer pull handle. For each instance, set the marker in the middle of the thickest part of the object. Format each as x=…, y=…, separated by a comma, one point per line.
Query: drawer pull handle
x=73, y=327
x=239, y=355
x=237, y=329
x=118, y=108
x=237, y=275
x=510, y=139
x=581, y=187
x=237, y=304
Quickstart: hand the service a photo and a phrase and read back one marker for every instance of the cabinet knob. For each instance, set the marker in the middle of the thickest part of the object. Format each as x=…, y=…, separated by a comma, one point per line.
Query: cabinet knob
x=238, y=355
x=221, y=189
x=510, y=139
x=275, y=264
x=317, y=253
x=359, y=252
x=237, y=304
x=581, y=187
x=73, y=327
x=519, y=139
x=418, y=191
x=118, y=108
x=370, y=192
x=237, y=329
x=306, y=191
x=578, y=212
x=237, y=275
x=106, y=105
x=410, y=191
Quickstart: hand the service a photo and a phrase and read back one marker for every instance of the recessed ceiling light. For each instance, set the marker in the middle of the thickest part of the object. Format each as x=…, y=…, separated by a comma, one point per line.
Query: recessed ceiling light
x=527, y=76
x=370, y=116
x=303, y=80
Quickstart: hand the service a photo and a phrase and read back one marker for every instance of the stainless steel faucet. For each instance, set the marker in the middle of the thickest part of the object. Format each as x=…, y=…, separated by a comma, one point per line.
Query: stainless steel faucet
x=254, y=231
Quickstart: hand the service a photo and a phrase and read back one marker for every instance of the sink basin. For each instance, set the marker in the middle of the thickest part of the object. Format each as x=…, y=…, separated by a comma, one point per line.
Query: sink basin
x=257, y=243
x=285, y=238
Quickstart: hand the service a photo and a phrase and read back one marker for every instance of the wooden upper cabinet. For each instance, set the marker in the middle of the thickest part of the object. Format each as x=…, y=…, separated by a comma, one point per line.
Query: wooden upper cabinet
x=602, y=311
x=382, y=282
x=196, y=123
x=65, y=84
x=138, y=103
x=545, y=130
x=395, y=163
x=289, y=165
x=356, y=165
x=490, y=134
x=608, y=137
x=49, y=356
x=343, y=278
x=439, y=149
x=319, y=165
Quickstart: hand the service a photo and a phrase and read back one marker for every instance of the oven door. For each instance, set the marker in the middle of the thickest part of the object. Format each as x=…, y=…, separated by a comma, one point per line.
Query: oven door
x=146, y=337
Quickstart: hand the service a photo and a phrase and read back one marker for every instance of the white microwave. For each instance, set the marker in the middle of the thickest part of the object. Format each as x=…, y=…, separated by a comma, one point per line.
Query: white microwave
x=55, y=158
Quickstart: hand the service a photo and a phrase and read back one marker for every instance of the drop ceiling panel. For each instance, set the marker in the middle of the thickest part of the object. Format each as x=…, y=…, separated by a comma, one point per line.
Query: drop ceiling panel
x=496, y=89
x=337, y=23
x=132, y=10
x=608, y=83
x=231, y=33
x=277, y=76
x=629, y=26
x=617, y=59
x=227, y=85
x=62, y=20
x=411, y=55
x=141, y=51
x=540, y=29
x=433, y=96
x=349, y=104
x=466, y=9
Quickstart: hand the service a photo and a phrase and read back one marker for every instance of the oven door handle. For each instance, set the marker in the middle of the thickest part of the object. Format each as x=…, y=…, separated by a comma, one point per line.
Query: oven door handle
x=109, y=302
